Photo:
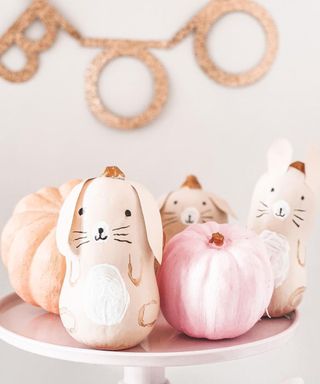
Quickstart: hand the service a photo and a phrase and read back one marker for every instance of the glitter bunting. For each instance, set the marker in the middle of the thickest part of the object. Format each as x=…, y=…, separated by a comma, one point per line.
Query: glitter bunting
x=200, y=25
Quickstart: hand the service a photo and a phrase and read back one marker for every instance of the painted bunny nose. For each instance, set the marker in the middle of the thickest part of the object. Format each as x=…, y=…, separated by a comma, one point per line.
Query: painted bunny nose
x=190, y=216
x=101, y=231
x=281, y=210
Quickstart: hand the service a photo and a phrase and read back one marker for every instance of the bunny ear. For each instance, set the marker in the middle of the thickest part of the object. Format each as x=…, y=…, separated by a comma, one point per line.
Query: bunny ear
x=222, y=205
x=66, y=218
x=162, y=200
x=279, y=157
x=313, y=169
x=152, y=220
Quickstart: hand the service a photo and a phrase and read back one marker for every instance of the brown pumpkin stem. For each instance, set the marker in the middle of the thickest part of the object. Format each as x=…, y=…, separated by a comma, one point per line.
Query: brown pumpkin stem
x=191, y=182
x=218, y=239
x=299, y=165
x=114, y=172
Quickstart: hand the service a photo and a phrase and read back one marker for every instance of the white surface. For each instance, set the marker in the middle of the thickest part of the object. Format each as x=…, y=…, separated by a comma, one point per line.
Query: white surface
x=47, y=135
x=296, y=380
x=105, y=295
x=278, y=249
x=134, y=375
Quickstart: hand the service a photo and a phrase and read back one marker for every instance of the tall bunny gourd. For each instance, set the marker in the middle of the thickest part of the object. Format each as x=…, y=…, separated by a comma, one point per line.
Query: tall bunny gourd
x=190, y=204
x=283, y=211
x=109, y=230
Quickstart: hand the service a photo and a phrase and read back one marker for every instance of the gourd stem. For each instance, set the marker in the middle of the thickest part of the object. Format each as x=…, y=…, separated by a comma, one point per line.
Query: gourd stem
x=217, y=239
x=113, y=172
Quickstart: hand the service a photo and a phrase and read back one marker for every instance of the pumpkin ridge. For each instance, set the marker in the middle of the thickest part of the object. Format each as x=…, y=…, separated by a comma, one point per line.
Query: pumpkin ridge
x=34, y=200
x=257, y=260
x=239, y=286
x=24, y=227
x=51, y=194
x=48, y=200
x=43, y=239
x=46, y=212
x=24, y=284
x=66, y=188
x=6, y=253
x=48, y=299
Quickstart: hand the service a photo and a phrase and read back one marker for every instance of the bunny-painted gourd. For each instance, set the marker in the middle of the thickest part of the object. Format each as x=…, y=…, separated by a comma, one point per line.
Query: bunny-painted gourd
x=283, y=211
x=110, y=230
x=190, y=204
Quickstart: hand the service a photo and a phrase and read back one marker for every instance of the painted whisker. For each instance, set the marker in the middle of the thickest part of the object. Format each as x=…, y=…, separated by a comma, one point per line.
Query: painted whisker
x=262, y=214
x=79, y=232
x=80, y=238
x=298, y=225
x=169, y=213
x=85, y=242
x=298, y=217
x=123, y=241
x=264, y=204
x=117, y=229
x=300, y=210
x=120, y=234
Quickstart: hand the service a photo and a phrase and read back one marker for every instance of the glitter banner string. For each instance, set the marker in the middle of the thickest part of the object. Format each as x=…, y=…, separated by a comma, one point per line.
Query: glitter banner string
x=200, y=25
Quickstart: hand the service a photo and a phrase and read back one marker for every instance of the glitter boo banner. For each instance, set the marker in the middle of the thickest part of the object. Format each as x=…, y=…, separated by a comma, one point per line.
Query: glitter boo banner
x=200, y=26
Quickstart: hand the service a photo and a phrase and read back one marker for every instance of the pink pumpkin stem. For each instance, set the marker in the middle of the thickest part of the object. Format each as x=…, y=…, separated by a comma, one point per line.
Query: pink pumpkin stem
x=218, y=239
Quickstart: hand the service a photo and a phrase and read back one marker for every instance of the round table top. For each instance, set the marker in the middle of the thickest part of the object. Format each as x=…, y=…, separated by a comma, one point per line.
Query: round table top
x=34, y=330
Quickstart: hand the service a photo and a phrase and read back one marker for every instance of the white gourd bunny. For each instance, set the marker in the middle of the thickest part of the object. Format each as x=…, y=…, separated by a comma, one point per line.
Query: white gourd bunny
x=283, y=211
x=110, y=231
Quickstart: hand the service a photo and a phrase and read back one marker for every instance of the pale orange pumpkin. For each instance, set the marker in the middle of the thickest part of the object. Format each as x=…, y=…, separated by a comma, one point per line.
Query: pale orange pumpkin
x=28, y=247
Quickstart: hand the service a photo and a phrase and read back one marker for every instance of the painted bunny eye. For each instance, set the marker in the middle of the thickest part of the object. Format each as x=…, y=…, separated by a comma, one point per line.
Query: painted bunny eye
x=81, y=211
x=302, y=197
x=175, y=202
x=272, y=189
x=127, y=212
x=204, y=203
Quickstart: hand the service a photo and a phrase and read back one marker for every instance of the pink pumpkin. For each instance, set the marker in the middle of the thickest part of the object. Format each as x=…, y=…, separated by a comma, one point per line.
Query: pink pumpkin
x=215, y=280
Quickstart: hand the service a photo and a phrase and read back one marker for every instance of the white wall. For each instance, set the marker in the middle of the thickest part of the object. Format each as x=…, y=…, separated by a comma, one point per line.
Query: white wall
x=47, y=136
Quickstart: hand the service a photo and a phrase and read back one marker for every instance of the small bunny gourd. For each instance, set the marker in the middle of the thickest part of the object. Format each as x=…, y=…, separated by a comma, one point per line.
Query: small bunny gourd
x=190, y=204
x=109, y=230
x=283, y=211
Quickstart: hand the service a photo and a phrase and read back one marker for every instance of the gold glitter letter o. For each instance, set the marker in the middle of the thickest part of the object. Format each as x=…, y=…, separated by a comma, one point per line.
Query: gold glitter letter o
x=102, y=112
x=213, y=14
